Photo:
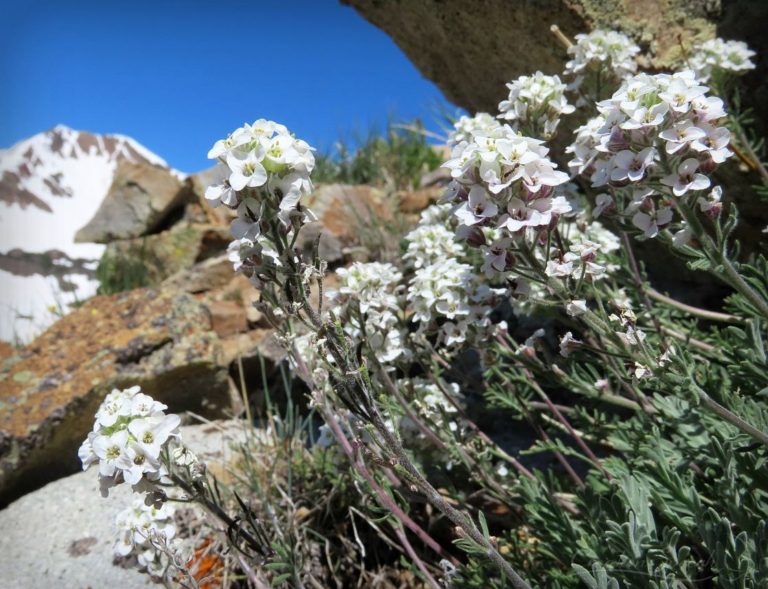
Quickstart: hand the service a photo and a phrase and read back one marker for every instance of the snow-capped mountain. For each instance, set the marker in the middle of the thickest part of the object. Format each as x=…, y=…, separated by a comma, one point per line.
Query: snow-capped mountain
x=51, y=185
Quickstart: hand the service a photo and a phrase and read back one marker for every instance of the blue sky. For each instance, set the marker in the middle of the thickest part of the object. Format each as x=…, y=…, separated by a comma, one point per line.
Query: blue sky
x=177, y=75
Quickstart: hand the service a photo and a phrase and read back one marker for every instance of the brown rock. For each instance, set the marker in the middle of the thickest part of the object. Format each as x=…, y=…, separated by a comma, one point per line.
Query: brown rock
x=198, y=183
x=341, y=207
x=416, y=201
x=50, y=391
x=6, y=350
x=248, y=346
x=227, y=318
x=210, y=274
x=140, y=199
x=170, y=252
x=472, y=48
x=346, y=215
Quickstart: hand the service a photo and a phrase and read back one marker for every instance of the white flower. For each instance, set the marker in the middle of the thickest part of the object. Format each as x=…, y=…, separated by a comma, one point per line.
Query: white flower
x=683, y=237
x=429, y=243
x=718, y=54
x=687, y=178
x=680, y=135
x=568, y=344
x=604, y=50
x=712, y=204
x=641, y=371
x=576, y=307
x=142, y=530
x=631, y=166
x=603, y=202
x=478, y=207
x=535, y=104
x=647, y=116
x=246, y=169
x=152, y=432
x=109, y=449
x=466, y=128
x=130, y=430
x=649, y=223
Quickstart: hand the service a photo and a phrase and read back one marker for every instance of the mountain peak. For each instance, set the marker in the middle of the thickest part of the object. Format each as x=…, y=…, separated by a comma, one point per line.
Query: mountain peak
x=51, y=184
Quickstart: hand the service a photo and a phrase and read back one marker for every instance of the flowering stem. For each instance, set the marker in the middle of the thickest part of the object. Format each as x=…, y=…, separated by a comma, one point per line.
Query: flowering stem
x=385, y=500
x=729, y=274
x=412, y=553
x=636, y=276
x=453, y=514
x=233, y=525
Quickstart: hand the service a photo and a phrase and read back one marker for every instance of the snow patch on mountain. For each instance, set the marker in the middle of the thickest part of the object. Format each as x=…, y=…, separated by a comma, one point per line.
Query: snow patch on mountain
x=51, y=185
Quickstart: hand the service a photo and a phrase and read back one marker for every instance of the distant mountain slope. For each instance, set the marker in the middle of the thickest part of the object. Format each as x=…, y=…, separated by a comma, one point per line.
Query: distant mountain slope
x=51, y=185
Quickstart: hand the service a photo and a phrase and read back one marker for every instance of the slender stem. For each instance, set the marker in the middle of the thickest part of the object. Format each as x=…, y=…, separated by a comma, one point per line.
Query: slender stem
x=729, y=416
x=695, y=311
x=453, y=514
x=383, y=497
x=419, y=563
x=637, y=277
x=578, y=439
x=729, y=274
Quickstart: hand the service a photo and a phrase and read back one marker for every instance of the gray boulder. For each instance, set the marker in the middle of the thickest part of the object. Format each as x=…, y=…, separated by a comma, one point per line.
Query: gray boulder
x=139, y=200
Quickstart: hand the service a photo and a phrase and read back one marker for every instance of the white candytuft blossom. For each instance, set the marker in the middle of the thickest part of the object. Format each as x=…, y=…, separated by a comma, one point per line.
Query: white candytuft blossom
x=657, y=137
x=369, y=306
x=604, y=51
x=432, y=404
x=128, y=436
x=535, y=104
x=265, y=175
x=734, y=57
x=431, y=243
x=466, y=128
x=503, y=182
x=147, y=533
x=449, y=299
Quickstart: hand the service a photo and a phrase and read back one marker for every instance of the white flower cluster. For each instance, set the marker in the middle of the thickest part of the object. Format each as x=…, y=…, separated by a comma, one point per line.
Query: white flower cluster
x=372, y=290
x=467, y=127
x=503, y=181
x=437, y=214
x=266, y=173
x=578, y=263
x=431, y=243
x=432, y=403
x=128, y=436
x=535, y=104
x=448, y=299
x=717, y=54
x=647, y=117
x=604, y=51
x=148, y=533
